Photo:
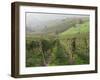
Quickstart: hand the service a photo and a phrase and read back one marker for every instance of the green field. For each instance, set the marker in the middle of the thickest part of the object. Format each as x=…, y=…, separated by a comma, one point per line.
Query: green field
x=70, y=47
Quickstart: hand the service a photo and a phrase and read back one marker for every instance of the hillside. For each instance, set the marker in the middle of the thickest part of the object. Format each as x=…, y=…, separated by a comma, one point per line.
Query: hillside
x=58, y=42
x=55, y=26
x=76, y=30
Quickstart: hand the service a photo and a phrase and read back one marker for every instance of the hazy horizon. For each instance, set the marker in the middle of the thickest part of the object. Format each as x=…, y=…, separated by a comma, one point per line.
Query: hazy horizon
x=39, y=21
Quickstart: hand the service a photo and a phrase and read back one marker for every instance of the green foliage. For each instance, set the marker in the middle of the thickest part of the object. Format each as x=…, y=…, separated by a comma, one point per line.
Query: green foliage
x=70, y=47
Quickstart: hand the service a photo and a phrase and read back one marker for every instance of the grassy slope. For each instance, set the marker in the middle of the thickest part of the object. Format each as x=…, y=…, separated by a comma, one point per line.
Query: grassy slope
x=82, y=29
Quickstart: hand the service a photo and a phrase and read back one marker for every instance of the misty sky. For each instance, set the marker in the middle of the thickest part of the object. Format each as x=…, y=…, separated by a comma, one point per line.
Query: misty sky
x=40, y=20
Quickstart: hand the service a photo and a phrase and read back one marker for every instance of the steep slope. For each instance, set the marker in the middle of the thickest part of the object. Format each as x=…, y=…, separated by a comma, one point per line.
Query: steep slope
x=76, y=30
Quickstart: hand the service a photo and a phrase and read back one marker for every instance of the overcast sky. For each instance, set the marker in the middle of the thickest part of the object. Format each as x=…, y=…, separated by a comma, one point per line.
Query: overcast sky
x=39, y=20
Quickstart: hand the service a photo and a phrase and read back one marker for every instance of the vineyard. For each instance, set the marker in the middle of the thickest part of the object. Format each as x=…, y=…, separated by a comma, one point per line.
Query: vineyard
x=70, y=47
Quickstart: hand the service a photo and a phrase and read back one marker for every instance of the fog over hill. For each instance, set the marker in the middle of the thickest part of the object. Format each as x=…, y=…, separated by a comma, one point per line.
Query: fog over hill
x=42, y=23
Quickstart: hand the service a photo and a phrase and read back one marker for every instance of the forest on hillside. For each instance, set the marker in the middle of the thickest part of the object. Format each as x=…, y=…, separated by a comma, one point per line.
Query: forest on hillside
x=62, y=40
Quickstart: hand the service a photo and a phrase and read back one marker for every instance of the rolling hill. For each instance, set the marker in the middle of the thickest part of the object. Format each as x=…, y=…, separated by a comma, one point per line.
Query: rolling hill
x=76, y=30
